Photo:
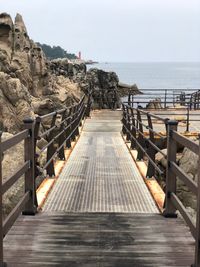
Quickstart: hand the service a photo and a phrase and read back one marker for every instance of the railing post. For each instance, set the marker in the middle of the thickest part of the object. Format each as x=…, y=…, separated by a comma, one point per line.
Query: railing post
x=133, y=130
x=2, y=264
x=197, y=238
x=81, y=112
x=77, y=119
x=170, y=210
x=88, y=108
x=50, y=150
x=67, y=132
x=151, y=150
x=29, y=155
x=129, y=98
x=140, y=136
x=36, y=134
x=128, y=136
x=73, y=126
x=124, y=118
x=188, y=119
x=61, y=139
x=165, y=104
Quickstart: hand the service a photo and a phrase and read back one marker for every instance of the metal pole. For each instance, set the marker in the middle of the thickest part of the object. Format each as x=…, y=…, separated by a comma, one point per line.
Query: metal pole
x=165, y=98
x=188, y=119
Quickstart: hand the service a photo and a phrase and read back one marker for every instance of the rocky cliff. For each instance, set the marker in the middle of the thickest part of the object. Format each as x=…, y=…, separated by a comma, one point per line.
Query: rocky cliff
x=27, y=84
x=31, y=85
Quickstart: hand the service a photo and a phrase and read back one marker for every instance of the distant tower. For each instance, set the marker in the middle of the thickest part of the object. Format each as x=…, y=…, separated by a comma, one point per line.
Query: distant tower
x=79, y=55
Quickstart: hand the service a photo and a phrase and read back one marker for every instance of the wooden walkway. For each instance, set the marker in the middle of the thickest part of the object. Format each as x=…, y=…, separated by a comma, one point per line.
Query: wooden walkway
x=99, y=213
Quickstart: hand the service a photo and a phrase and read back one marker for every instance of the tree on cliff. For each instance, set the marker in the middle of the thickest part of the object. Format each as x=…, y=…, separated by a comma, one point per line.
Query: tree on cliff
x=56, y=52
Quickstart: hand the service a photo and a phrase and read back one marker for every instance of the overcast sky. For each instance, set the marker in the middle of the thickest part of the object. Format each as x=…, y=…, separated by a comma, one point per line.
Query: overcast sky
x=115, y=30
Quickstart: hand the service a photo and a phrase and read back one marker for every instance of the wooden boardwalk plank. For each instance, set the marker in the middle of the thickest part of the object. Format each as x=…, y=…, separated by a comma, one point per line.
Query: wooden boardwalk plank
x=99, y=239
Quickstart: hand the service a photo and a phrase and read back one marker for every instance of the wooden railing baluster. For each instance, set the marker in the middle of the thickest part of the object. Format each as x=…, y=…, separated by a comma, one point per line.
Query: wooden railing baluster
x=68, y=130
x=51, y=149
x=128, y=122
x=197, y=238
x=124, y=118
x=151, y=150
x=61, y=139
x=133, y=130
x=170, y=210
x=1, y=207
x=29, y=155
x=73, y=137
x=140, y=139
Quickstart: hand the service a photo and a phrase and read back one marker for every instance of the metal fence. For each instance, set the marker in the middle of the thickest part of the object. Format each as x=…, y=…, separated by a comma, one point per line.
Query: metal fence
x=167, y=97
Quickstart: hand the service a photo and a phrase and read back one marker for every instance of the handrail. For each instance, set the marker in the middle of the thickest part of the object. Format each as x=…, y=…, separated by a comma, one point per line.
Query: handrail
x=187, y=113
x=133, y=124
x=185, y=97
x=59, y=136
x=14, y=140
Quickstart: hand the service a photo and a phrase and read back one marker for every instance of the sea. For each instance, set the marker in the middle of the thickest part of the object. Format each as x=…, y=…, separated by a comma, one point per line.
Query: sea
x=162, y=75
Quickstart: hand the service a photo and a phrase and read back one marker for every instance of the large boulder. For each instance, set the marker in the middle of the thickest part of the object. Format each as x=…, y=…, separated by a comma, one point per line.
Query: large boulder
x=189, y=163
x=15, y=103
x=104, y=86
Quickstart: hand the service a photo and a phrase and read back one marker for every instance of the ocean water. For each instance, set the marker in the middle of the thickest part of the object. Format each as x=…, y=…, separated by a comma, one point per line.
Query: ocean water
x=156, y=75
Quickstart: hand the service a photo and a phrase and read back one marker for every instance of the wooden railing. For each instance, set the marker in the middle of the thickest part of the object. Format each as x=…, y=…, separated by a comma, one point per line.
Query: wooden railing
x=63, y=129
x=133, y=128
x=173, y=202
x=135, y=122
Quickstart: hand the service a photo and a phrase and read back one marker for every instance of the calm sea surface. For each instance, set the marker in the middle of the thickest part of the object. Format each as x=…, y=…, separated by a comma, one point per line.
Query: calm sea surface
x=156, y=75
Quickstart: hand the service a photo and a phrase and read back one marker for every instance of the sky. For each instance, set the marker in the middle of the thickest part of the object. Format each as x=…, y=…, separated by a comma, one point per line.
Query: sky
x=115, y=30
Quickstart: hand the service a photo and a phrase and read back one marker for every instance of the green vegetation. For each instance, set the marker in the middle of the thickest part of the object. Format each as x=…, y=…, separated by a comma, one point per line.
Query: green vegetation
x=56, y=52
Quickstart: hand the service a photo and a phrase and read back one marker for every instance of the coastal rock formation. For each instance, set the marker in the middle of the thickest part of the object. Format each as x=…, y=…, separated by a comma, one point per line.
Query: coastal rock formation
x=105, y=88
x=189, y=164
x=27, y=85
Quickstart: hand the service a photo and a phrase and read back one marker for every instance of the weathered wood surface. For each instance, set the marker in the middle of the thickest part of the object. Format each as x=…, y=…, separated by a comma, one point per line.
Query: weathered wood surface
x=118, y=238
x=98, y=240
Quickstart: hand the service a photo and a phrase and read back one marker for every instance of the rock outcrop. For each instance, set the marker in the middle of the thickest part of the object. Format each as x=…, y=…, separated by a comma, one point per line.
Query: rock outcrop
x=104, y=86
x=28, y=85
x=31, y=85
x=189, y=164
x=154, y=104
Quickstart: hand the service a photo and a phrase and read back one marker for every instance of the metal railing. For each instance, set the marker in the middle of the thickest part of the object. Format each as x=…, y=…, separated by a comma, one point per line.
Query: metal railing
x=147, y=147
x=64, y=127
x=186, y=114
x=184, y=97
x=135, y=121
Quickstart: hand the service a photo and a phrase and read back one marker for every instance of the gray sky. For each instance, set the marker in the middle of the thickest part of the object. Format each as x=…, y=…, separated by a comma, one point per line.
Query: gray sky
x=115, y=30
